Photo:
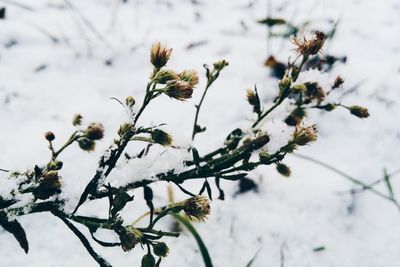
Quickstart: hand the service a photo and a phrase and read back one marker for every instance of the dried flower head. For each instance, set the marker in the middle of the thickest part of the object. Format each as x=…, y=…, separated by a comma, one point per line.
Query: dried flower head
x=190, y=76
x=77, y=119
x=49, y=136
x=95, y=131
x=178, y=89
x=253, y=100
x=130, y=101
x=48, y=185
x=305, y=135
x=358, y=111
x=159, y=55
x=130, y=237
x=161, y=249
x=197, y=206
x=86, y=144
x=338, y=82
x=307, y=47
x=219, y=65
x=163, y=76
x=161, y=137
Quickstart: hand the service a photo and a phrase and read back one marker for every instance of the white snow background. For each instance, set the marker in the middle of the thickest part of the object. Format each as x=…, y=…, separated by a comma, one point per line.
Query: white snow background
x=288, y=217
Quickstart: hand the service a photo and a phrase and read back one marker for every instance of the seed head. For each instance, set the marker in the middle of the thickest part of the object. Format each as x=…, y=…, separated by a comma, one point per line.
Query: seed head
x=305, y=135
x=197, y=206
x=130, y=237
x=219, y=65
x=358, y=111
x=178, y=89
x=49, y=136
x=159, y=55
x=86, y=144
x=307, y=47
x=130, y=101
x=163, y=76
x=161, y=249
x=77, y=119
x=95, y=131
x=190, y=76
x=338, y=82
x=48, y=185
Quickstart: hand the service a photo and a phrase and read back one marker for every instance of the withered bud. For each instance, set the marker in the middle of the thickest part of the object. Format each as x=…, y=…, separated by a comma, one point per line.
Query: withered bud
x=161, y=249
x=130, y=101
x=258, y=142
x=338, y=82
x=283, y=169
x=161, y=137
x=86, y=144
x=49, y=136
x=219, y=65
x=358, y=111
x=305, y=135
x=180, y=90
x=163, y=76
x=125, y=128
x=190, y=76
x=95, y=131
x=295, y=117
x=159, y=55
x=55, y=165
x=48, y=185
x=130, y=237
x=148, y=260
x=197, y=206
x=264, y=156
x=328, y=107
x=298, y=88
x=307, y=47
x=285, y=83
x=253, y=100
x=77, y=119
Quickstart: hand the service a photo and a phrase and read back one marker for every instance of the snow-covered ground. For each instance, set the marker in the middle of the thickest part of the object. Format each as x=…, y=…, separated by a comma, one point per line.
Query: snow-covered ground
x=54, y=64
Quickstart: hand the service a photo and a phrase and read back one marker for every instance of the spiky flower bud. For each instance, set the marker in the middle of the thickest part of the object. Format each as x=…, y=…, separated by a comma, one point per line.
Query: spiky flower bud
x=130, y=237
x=161, y=249
x=95, y=131
x=148, y=260
x=254, y=100
x=295, y=117
x=49, y=136
x=190, y=76
x=159, y=55
x=307, y=47
x=219, y=65
x=285, y=83
x=358, y=111
x=130, y=101
x=338, y=82
x=86, y=144
x=163, y=76
x=305, y=135
x=197, y=206
x=161, y=137
x=283, y=169
x=178, y=89
x=77, y=119
x=55, y=165
x=125, y=128
x=48, y=185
